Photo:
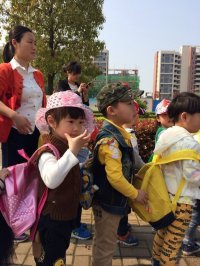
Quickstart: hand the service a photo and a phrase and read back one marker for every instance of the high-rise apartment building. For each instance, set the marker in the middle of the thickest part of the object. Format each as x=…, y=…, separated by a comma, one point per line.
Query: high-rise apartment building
x=102, y=61
x=176, y=72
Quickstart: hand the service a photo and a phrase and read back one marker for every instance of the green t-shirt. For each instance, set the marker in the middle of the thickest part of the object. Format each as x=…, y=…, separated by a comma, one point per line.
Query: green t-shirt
x=159, y=130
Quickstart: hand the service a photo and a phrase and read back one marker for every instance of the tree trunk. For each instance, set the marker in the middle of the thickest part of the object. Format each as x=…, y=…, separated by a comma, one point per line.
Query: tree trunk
x=50, y=84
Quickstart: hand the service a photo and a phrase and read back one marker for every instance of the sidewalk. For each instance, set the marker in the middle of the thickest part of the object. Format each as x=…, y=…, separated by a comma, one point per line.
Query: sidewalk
x=79, y=252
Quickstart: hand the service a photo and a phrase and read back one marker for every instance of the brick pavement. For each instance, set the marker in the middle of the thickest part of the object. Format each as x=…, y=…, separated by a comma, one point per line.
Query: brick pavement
x=79, y=252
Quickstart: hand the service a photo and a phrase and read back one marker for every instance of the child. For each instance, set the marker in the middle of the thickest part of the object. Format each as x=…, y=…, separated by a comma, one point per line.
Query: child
x=163, y=120
x=7, y=248
x=185, y=112
x=113, y=171
x=162, y=117
x=65, y=117
x=124, y=230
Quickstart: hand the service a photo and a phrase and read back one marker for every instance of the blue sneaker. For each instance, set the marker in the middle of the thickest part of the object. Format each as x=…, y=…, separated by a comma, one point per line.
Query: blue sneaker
x=81, y=233
x=190, y=249
x=20, y=239
x=128, y=240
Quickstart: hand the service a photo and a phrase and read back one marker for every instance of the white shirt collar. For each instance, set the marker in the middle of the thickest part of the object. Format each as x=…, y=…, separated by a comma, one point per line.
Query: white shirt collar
x=16, y=65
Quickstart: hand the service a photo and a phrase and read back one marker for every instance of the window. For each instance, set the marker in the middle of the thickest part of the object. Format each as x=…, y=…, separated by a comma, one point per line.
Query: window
x=166, y=68
x=166, y=78
x=167, y=58
x=165, y=88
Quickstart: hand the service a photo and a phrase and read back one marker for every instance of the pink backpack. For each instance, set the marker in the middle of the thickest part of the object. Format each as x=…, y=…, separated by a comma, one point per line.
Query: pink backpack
x=18, y=203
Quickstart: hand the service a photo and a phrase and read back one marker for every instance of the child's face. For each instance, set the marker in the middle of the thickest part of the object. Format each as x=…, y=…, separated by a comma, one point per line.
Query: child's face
x=191, y=122
x=124, y=112
x=134, y=121
x=164, y=120
x=73, y=127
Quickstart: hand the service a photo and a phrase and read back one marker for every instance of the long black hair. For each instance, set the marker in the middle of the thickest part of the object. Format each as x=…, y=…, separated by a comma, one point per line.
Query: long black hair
x=16, y=33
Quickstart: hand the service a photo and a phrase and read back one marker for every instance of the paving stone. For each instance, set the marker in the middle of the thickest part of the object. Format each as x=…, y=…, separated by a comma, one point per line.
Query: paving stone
x=82, y=261
x=19, y=259
x=117, y=262
x=71, y=249
x=29, y=260
x=69, y=260
x=144, y=262
x=23, y=248
x=83, y=250
x=130, y=262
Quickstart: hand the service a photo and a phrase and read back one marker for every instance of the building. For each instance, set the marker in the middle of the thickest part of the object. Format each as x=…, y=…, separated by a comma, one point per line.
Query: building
x=176, y=72
x=102, y=61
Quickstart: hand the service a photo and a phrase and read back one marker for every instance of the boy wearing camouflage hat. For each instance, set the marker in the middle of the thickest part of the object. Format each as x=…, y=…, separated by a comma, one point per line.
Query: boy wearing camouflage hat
x=113, y=171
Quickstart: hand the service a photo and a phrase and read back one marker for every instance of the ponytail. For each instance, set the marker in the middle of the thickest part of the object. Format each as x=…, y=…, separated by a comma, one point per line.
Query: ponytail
x=8, y=52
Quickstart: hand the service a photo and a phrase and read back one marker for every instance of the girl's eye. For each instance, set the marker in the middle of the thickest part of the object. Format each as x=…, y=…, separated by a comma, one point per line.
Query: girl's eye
x=70, y=121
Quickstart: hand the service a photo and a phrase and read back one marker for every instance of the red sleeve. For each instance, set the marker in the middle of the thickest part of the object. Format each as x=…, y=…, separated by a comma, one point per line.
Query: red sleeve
x=4, y=84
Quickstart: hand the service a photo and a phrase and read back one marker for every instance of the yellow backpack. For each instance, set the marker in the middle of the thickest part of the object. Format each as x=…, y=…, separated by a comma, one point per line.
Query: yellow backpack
x=160, y=211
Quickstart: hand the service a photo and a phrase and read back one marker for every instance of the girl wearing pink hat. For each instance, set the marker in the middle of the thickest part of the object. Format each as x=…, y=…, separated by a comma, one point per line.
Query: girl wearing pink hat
x=163, y=120
x=69, y=124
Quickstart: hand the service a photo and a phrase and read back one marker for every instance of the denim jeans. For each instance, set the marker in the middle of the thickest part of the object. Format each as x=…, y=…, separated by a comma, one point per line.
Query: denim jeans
x=195, y=222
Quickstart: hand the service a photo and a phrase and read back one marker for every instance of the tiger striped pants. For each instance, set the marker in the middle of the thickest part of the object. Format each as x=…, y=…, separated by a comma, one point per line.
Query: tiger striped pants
x=167, y=241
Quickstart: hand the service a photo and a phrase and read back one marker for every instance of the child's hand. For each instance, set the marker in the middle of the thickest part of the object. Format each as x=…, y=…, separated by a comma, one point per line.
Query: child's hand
x=4, y=173
x=75, y=144
x=142, y=197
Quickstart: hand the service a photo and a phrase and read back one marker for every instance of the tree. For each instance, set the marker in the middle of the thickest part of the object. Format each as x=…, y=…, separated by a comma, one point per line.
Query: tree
x=65, y=30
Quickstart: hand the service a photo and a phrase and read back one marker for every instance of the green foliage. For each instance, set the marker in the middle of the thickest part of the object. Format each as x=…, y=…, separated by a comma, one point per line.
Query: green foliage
x=65, y=30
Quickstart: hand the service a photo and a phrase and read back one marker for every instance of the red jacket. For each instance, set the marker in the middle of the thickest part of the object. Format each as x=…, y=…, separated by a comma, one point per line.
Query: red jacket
x=11, y=85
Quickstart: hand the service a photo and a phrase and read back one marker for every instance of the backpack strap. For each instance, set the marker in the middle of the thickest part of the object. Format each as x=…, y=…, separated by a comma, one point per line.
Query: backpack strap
x=185, y=154
x=178, y=194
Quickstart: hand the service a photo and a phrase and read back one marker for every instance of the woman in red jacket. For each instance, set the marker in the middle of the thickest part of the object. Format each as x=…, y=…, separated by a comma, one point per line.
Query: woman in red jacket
x=21, y=95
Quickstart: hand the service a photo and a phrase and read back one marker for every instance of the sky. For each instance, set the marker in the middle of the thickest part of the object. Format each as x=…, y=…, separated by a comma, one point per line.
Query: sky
x=135, y=29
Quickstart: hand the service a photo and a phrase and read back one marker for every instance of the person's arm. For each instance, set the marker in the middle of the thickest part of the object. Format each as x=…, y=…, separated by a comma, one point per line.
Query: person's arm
x=138, y=160
x=110, y=155
x=53, y=171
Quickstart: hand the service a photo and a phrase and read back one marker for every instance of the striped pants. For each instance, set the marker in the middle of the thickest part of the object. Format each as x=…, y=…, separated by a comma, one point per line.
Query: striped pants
x=167, y=241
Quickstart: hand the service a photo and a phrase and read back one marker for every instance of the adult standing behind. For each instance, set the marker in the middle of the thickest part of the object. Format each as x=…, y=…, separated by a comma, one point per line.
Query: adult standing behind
x=73, y=72
x=21, y=95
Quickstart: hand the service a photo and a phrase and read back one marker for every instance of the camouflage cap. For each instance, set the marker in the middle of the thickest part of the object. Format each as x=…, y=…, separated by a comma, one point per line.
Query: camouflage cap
x=114, y=92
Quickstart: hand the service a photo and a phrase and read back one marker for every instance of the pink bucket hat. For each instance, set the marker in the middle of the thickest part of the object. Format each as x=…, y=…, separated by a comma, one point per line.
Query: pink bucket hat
x=162, y=107
x=64, y=99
